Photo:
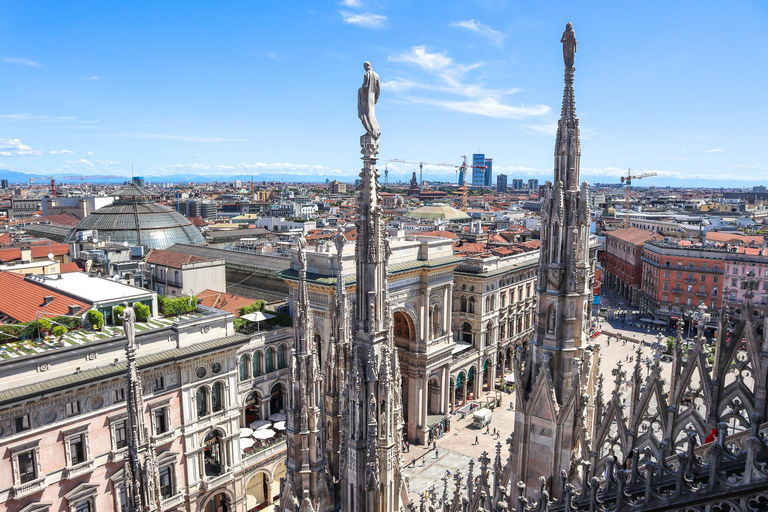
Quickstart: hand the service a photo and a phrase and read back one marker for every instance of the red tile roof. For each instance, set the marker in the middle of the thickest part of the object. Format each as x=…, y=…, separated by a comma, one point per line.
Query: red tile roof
x=173, y=259
x=635, y=236
x=27, y=299
x=716, y=236
x=224, y=301
x=38, y=251
x=66, y=268
x=5, y=238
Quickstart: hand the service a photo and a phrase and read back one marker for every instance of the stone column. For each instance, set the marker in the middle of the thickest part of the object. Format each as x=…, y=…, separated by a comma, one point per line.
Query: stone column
x=446, y=395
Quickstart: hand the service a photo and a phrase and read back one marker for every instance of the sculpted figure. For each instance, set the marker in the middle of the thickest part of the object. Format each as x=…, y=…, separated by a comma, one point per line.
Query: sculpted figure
x=367, y=96
x=129, y=323
x=302, y=245
x=569, y=45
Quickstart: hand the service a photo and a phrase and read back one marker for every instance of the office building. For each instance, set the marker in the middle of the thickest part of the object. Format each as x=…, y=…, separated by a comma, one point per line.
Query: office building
x=478, y=170
x=4, y=184
x=501, y=183
x=533, y=185
x=517, y=184
x=488, y=172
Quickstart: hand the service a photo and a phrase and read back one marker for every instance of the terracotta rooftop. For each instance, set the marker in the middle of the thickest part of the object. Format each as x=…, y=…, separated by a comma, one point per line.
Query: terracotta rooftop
x=38, y=251
x=634, y=236
x=27, y=300
x=718, y=236
x=173, y=259
x=225, y=301
x=441, y=234
x=61, y=219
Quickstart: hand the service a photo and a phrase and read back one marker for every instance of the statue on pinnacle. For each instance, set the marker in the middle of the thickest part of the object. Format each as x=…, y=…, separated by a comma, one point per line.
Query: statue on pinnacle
x=367, y=96
x=569, y=45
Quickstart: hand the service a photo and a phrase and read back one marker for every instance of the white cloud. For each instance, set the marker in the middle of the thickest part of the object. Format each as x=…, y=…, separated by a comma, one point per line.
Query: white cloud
x=365, y=20
x=547, y=129
x=496, y=37
x=715, y=150
x=82, y=161
x=94, y=77
x=489, y=107
x=23, y=62
x=351, y=3
x=62, y=152
x=35, y=117
x=450, y=77
x=14, y=147
x=183, y=138
x=273, y=56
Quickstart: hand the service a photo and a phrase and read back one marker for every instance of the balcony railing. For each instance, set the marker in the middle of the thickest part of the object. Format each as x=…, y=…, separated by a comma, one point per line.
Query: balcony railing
x=77, y=470
x=211, y=482
x=165, y=437
x=265, y=453
x=690, y=280
x=678, y=291
x=702, y=294
x=172, y=501
x=22, y=490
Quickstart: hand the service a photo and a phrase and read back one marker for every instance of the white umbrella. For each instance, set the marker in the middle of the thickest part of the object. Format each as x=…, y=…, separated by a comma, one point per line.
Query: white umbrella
x=264, y=433
x=245, y=432
x=510, y=378
x=246, y=442
x=280, y=425
x=256, y=425
x=277, y=417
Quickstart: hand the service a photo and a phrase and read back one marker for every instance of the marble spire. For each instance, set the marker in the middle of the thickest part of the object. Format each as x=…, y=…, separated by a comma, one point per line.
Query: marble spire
x=371, y=478
x=308, y=487
x=140, y=470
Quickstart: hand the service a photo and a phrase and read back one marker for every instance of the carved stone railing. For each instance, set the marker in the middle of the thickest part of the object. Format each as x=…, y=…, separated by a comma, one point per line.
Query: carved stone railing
x=166, y=437
x=77, y=470
x=172, y=501
x=211, y=482
x=264, y=454
x=25, y=489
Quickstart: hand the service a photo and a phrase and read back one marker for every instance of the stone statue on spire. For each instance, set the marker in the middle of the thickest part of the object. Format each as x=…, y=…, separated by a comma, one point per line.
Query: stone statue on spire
x=367, y=96
x=569, y=45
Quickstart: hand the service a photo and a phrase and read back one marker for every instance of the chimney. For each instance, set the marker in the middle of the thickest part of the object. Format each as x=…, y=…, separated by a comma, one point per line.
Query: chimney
x=26, y=255
x=73, y=310
x=47, y=300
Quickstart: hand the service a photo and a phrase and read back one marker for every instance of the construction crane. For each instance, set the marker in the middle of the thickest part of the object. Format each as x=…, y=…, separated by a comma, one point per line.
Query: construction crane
x=421, y=166
x=465, y=166
x=52, y=179
x=627, y=181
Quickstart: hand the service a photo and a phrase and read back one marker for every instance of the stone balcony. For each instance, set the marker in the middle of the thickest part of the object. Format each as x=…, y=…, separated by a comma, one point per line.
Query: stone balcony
x=212, y=482
x=166, y=437
x=28, y=488
x=262, y=455
x=174, y=500
x=77, y=470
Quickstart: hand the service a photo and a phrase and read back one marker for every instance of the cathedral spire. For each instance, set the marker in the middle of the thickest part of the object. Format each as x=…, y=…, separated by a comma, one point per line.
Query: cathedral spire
x=564, y=305
x=140, y=471
x=371, y=478
x=306, y=469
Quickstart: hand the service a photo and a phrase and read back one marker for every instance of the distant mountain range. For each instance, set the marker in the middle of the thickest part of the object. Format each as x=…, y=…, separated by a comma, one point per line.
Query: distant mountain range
x=14, y=177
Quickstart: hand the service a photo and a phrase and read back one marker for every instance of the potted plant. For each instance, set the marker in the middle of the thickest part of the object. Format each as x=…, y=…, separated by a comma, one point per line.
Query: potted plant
x=96, y=319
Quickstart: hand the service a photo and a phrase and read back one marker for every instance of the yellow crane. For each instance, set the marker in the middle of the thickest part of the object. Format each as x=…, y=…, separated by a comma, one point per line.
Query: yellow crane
x=627, y=181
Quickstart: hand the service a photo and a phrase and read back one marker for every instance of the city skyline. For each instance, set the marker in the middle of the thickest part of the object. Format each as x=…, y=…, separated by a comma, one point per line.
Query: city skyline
x=261, y=96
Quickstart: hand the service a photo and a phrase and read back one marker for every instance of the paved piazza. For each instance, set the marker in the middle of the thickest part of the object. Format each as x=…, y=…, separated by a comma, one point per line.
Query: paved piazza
x=457, y=447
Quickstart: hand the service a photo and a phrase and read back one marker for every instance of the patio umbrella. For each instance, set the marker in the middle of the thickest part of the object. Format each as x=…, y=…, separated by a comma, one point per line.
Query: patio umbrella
x=277, y=417
x=246, y=432
x=264, y=433
x=280, y=425
x=246, y=442
x=510, y=378
x=256, y=425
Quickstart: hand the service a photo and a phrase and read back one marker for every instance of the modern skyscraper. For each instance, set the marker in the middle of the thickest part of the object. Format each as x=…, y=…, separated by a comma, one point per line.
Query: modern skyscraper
x=4, y=184
x=138, y=180
x=478, y=170
x=517, y=184
x=463, y=172
x=501, y=183
x=488, y=172
x=533, y=185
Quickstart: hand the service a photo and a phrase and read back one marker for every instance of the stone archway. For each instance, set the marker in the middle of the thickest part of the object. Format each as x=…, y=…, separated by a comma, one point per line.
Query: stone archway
x=258, y=492
x=433, y=396
x=219, y=502
x=252, y=408
x=404, y=327
x=276, y=398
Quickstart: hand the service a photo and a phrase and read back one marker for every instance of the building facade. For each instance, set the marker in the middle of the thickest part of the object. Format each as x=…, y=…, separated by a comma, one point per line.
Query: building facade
x=65, y=427
x=501, y=183
x=478, y=170
x=623, y=261
x=488, y=172
x=175, y=273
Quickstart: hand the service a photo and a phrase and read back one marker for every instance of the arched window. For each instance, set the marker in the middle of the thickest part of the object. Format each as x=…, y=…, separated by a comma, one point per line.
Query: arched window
x=243, y=366
x=257, y=357
x=463, y=302
x=471, y=304
x=217, y=397
x=466, y=333
x=202, y=402
x=493, y=302
x=281, y=357
x=270, y=360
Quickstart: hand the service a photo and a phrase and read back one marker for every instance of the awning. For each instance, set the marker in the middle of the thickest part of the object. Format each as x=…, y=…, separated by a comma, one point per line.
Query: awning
x=278, y=416
x=646, y=320
x=260, y=424
x=264, y=433
x=660, y=322
x=258, y=316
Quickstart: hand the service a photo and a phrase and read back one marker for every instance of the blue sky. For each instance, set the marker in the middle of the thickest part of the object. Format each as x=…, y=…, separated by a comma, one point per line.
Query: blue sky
x=223, y=88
